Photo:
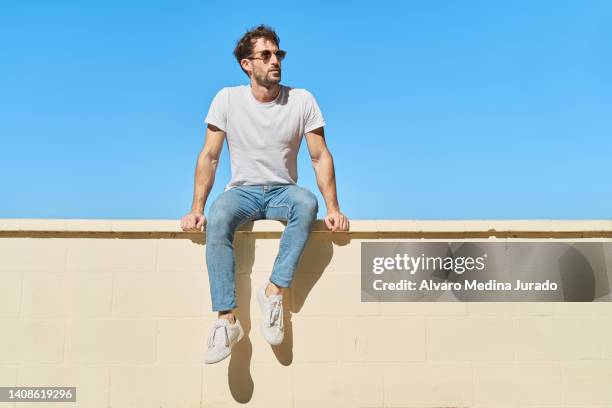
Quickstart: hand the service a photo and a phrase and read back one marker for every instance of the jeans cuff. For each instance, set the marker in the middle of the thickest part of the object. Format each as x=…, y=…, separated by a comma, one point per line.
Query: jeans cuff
x=280, y=282
x=223, y=307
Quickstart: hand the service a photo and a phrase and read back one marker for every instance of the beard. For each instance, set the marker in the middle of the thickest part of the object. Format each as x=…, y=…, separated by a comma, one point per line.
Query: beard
x=266, y=78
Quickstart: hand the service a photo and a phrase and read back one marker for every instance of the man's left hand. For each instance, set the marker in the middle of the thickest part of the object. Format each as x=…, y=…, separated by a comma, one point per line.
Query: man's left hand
x=336, y=221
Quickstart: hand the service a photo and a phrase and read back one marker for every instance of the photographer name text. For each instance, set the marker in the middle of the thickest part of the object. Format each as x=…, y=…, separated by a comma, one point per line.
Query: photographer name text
x=490, y=285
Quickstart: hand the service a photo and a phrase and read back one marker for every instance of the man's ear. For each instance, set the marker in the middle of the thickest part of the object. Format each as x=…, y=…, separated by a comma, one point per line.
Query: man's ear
x=245, y=63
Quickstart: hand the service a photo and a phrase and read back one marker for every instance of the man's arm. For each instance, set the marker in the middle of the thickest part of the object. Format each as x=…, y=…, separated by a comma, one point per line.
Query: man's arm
x=323, y=164
x=206, y=167
x=205, y=170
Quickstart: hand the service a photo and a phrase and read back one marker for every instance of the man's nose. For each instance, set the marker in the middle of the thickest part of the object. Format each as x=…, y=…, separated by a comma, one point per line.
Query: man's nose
x=274, y=60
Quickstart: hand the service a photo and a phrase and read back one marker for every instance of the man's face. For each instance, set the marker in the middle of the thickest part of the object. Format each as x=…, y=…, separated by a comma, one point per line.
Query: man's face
x=265, y=73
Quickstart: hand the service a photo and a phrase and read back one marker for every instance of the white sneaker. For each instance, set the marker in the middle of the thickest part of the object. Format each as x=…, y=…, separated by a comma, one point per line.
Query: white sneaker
x=222, y=337
x=272, y=320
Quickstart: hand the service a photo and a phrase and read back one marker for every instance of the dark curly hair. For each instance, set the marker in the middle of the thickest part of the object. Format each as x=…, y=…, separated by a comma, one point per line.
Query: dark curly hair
x=244, y=46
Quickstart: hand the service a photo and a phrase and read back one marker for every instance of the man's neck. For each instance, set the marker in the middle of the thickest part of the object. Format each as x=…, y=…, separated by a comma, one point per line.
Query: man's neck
x=264, y=94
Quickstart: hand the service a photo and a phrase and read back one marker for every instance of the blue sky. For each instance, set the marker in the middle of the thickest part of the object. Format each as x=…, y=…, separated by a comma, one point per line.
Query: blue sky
x=434, y=109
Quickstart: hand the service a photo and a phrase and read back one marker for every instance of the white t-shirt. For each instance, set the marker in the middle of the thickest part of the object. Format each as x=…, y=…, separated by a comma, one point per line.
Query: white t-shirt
x=264, y=138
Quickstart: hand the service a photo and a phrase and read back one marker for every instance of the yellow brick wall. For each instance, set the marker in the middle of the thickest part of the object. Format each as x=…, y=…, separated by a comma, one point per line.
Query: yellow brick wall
x=124, y=318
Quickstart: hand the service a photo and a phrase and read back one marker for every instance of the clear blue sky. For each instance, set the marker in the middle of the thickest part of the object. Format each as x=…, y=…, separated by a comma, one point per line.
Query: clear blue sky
x=434, y=109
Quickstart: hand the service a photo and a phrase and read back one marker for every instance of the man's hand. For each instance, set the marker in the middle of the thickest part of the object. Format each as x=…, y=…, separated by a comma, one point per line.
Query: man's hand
x=336, y=221
x=193, y=221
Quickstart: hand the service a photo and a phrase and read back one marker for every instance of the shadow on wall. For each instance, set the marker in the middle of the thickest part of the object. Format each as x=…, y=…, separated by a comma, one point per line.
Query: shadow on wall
x=315, y=259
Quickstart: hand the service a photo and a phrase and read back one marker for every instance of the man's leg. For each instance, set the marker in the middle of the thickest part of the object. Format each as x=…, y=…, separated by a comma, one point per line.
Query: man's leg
x=230, y=209
x=298, y=206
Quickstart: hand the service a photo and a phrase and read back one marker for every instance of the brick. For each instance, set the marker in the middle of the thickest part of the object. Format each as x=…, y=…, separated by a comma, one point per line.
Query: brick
x=111, y=341
x=262, y=226
x=246, y=287
x=314, y=340
x=160, y=294
x=587, y=382
x=317, y=256
x=510, y=308
x=162, y=385
x=88, y=225
x=517, y=384
x=146, y=225
x=273, y=385
x=10, y=293
x=21, y=341
x=180, y=255
x=261, y=256
x=337, y=385
x=8, y=375
x=42, y=224
x=423, y=308
x=244, y=253
x=44, y=294
x=346, y=257
x=106, y=255
x=11, y=224
x=66, y=294
x=359, y=226
x=91, y=382
x=421, y=225
x=182, y=340
x=469, y=338
x=428, y=385
x=229, y=383
x=591, y=309
x=606, y=331
x=89, y=294
x=330, y=295
x=381, y=339
x=557, y=338
x=33, y=254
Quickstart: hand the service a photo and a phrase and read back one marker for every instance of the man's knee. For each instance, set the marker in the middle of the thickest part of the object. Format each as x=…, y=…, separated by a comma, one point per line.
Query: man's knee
x=305, y=204
x=220, y=219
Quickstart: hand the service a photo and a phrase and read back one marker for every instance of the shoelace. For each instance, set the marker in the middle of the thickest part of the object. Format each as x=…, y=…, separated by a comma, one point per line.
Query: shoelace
x=276, y=313
x=211, y=338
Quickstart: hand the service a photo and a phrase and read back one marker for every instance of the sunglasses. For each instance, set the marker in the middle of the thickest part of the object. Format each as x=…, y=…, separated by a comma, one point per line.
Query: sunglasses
x=267, y=54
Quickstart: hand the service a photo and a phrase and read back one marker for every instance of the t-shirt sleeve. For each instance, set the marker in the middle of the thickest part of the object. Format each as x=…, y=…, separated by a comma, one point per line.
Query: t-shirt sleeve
x=313, y=118
x=217, y=113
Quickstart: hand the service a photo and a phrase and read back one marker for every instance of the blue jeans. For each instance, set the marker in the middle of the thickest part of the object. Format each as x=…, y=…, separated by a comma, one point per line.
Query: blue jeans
x=287, y=202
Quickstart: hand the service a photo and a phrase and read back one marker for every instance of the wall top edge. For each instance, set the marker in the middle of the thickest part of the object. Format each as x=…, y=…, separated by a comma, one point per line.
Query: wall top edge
x=357, y=226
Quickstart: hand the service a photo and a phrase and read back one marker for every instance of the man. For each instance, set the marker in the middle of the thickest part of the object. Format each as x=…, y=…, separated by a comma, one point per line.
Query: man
x=264, y=123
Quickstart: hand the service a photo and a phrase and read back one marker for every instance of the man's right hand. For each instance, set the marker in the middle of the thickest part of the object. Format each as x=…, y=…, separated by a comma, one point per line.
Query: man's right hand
x=193, y=221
